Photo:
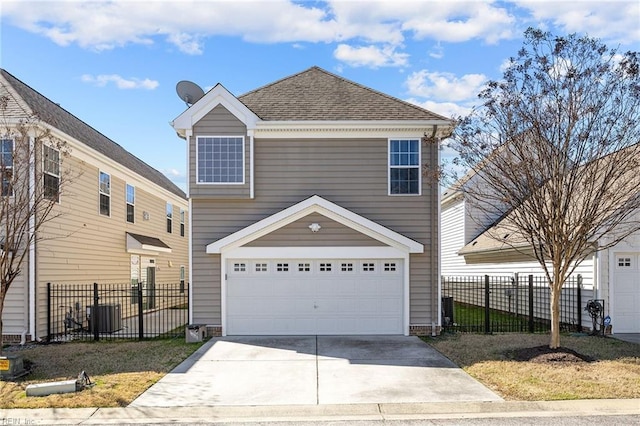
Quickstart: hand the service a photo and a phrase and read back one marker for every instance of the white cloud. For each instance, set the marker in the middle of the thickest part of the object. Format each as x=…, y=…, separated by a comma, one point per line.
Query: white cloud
x=446, y=109
x=187, y=24
x=458, y=21
x=187, y=43
x=437, y=51
x=445, y=86
x=120, y=82
x=614, y=21
x=370, y=56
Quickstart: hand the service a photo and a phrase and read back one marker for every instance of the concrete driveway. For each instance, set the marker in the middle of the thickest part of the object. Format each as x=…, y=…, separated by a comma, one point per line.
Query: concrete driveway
x=316, y=370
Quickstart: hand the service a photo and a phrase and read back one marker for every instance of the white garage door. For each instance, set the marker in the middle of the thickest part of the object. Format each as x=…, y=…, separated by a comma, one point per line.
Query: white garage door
x=299, y=297
x=626, y=293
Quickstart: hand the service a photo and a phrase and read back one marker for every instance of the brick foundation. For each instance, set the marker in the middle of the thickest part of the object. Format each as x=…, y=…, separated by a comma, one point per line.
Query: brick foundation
x=14, y=338
x=422, y=330
x=214, y=331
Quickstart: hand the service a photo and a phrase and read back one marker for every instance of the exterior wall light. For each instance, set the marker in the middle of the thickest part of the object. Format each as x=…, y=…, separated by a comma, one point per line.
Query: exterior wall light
x=315, y=227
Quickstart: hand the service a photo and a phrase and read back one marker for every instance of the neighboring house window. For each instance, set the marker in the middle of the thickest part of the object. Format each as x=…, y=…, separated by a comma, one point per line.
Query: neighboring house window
x=182, y=279
x=131, y=203
x=220, y=159
x=181, y=223
x=51, y=170
x=6, y=166
x=169, y=217
x=404, y=167
x=105, y=194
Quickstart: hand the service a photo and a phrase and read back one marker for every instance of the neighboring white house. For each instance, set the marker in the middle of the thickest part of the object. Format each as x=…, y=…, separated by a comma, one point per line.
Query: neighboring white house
x=468, y=249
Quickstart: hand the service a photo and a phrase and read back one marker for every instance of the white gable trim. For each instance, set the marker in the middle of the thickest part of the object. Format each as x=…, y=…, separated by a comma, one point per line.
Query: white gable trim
x=315, y=204
x=214, y=97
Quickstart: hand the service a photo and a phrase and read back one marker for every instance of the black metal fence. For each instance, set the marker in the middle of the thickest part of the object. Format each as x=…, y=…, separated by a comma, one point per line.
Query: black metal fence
x=116, y=311
x=520, y=303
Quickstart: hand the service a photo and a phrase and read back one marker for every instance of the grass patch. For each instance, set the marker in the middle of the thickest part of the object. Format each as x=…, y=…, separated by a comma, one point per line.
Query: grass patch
x=122, y=370
x=615, y=373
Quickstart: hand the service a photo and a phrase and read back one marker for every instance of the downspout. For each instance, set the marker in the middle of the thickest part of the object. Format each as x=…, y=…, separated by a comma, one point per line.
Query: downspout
x=437, y=306
x=189, y=228
x=32, y=246
x=251, y=165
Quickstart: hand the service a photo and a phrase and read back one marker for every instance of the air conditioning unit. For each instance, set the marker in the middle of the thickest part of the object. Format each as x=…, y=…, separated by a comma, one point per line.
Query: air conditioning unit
x=106, y=318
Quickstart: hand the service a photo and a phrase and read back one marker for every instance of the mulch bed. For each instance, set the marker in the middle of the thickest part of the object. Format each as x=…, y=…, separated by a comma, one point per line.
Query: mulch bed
x=544, y=354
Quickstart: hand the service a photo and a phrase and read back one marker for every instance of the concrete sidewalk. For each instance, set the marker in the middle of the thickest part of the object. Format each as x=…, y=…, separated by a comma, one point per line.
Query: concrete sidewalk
x=311, y=413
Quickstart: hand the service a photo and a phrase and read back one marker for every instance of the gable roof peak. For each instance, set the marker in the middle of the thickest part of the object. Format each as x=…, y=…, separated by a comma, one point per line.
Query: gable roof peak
x=316, y=94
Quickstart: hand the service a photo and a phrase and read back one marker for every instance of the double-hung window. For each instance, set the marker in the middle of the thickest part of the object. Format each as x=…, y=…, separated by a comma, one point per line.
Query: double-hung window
x=404, y=167
x=6, y=166
x=181, y=223
x=220, y=159
x=131, y=203
x=169, y=217
x=51, y=170
x=105, y=194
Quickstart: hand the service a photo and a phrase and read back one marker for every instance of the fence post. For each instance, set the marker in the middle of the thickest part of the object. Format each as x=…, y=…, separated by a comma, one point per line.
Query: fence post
x=579, y=302
x=48, y=312
x=531, y=327
x=140, y=314
x=487, y=319
x=95, y=317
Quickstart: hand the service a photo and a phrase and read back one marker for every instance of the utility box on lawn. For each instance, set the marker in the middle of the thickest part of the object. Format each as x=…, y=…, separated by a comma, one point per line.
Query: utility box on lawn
x=195, y=333
x=11, y=367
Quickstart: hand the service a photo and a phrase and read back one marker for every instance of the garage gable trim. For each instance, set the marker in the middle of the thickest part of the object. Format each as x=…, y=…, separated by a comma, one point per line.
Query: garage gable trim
x=315, y=204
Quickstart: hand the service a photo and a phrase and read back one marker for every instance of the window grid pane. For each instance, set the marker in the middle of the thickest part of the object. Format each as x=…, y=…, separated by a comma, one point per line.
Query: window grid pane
x=404, y=166
x=220, y=160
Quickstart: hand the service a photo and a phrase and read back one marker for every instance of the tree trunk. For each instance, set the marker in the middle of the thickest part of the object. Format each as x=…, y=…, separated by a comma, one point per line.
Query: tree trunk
x=554, y=342
x=2, y=297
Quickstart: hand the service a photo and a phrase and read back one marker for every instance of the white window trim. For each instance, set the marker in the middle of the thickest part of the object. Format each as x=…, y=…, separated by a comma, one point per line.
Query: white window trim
x=127, y=203
x=182, y=227
x=169, y=217
x=44, y=168
x=13, y=159
x=100, y=172
x=244, y=165
x=419, y=166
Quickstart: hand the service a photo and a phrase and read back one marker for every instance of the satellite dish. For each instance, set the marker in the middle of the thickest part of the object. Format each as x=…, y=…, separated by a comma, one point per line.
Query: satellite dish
x=189, y=92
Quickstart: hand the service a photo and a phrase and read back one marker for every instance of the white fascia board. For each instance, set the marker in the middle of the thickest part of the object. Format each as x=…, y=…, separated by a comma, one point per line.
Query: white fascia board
x=214, y=97
x=315, y=204
x=315, y=253
x=347, y=129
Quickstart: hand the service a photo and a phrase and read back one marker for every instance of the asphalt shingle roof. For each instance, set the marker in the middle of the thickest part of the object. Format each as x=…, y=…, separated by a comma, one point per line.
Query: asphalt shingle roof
x=318, y=95
x=58, y=117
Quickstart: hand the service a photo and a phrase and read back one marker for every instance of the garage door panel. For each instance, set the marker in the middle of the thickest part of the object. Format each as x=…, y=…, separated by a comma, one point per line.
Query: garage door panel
x=316, y=297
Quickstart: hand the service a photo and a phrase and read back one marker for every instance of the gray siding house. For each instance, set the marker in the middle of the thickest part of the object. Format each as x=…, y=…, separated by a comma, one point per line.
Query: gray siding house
x=310, y=212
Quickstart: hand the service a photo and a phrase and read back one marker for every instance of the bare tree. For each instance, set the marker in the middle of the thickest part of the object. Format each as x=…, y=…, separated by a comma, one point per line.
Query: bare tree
x=31, y=181
x=554, y=152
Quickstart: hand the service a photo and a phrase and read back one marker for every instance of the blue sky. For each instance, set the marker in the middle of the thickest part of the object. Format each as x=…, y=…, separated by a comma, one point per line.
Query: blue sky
x=115, y=64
